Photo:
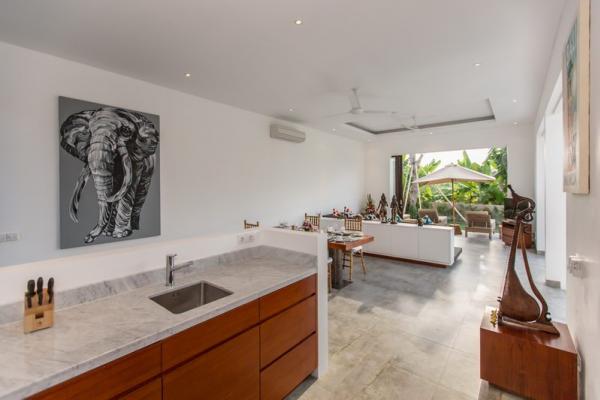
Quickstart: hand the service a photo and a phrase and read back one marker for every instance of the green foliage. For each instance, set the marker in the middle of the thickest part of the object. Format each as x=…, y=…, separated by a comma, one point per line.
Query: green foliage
x=466, y=193
x=412, y=210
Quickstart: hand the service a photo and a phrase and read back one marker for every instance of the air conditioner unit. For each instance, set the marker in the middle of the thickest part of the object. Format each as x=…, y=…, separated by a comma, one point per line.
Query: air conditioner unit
x=289, y=134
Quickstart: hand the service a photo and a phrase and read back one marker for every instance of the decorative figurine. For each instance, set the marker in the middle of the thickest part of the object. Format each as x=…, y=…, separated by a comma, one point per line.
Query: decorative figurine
x=394, y=210
x=494, y=317
x=370, y=209
x=382, y=209
x=307, y=226
x=517, y=307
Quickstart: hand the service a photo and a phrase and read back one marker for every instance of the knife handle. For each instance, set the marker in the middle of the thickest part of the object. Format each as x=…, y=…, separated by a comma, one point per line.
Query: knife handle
x=30, y=292
x=40, y=290
x=50, y=290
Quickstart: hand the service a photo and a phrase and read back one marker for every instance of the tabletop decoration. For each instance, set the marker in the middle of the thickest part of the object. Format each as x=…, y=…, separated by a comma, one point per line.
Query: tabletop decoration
x=382, y=209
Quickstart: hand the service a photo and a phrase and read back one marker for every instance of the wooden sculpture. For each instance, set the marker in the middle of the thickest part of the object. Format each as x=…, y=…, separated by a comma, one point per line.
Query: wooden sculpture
x=370, y=209
x=516, y=305
x=382, y=209
x=394, y=209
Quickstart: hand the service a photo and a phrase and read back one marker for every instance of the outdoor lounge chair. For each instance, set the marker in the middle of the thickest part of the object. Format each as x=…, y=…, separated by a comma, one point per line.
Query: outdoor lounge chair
x=433, y=214
x=480, y=222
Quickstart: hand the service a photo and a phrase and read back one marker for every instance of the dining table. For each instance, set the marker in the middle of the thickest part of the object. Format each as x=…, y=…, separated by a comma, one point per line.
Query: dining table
x=339, y=244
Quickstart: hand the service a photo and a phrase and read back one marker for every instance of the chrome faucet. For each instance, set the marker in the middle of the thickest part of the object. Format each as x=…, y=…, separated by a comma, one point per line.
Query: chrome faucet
x=171, y=268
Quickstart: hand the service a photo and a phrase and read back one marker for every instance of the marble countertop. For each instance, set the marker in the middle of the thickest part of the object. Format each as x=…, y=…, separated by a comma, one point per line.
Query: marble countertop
x=88, y=335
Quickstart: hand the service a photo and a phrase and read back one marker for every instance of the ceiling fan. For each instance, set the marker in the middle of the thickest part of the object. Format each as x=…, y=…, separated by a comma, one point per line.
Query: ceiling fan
x=357, y=109
x=413, y=126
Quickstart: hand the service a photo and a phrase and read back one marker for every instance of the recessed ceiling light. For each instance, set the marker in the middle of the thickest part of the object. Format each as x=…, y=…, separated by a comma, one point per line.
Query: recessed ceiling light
x=187, y=75
x=477, y=65
x=333, y=129
x=290, y=109
x=515, y=123
x=515, y=100
x=298, y=22
x=431, y=133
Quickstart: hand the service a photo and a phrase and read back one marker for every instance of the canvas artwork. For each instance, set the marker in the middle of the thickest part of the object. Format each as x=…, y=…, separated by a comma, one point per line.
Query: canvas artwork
x=109, y=173
x=576, y=103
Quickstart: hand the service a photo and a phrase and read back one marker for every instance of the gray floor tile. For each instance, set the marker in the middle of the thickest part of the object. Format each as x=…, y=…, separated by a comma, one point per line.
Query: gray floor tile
x=412, y=332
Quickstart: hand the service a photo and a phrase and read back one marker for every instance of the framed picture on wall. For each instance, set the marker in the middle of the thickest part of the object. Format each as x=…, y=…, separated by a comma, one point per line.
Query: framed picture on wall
x=109, y=173
x=576, y=103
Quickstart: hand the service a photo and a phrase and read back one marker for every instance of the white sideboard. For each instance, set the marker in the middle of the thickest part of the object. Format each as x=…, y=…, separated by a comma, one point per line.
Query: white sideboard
x=431, y=244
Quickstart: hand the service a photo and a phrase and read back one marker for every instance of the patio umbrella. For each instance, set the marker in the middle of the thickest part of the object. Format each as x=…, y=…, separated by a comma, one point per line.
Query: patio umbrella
x=454, y=173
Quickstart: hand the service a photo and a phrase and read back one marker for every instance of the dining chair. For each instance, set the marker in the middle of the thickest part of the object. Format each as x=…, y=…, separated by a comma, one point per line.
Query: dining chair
x=248, y=225
x=353, y=225
x=315, y=220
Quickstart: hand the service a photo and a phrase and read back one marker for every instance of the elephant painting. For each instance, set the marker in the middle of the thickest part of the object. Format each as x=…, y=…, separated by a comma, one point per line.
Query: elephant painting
x=118, y=149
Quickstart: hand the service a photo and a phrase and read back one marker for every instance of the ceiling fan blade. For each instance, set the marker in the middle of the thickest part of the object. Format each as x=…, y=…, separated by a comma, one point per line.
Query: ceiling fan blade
x=377, y=112
x=411, y=128
x=354, y=101
x=336, y=115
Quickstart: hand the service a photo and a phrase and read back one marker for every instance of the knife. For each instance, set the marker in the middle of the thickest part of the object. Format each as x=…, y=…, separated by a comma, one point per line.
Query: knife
x=40, y=290
x=50, y=290
x=30, y=292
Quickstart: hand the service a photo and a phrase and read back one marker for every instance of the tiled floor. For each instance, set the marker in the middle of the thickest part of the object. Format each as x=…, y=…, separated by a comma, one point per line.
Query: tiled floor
x=412, y=332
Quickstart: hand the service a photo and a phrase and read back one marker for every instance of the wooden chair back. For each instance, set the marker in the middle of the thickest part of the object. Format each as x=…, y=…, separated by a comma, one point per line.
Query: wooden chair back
x=478, y=219
x=431, y=212
x=248, y=225
x=315, y=220
x=353, y=224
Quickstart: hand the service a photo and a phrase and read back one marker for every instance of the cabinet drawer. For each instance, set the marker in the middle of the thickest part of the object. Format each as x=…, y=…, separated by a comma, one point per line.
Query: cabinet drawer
x=111, y=379
x=285, y=330
x=278, y=301
x=228, y=372
x=200, y=338
x=281, y=377
x=150, y=391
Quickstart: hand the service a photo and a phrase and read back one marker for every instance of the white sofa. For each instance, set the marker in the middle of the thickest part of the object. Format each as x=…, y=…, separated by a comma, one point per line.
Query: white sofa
x=430, y=244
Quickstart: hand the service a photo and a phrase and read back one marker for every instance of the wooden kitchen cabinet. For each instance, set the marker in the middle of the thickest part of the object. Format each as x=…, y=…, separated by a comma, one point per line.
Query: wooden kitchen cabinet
x=285, y=330
x=262, y=349
x=149, y=391
x=196, y=340
x=281, y=377
x=111, y=379
x=286, y=297
x=228, y=372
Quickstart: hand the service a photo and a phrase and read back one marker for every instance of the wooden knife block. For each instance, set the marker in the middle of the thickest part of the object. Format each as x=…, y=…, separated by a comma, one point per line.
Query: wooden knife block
x=38, y=316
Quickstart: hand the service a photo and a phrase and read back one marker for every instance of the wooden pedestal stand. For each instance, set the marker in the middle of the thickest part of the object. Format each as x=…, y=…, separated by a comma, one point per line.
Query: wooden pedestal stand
x=529, y=363
x=507, y=232
x=457, y=229
x=38, y=316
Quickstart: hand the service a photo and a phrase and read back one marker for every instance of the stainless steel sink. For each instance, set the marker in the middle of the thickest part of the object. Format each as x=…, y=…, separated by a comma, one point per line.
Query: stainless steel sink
x=186, y=298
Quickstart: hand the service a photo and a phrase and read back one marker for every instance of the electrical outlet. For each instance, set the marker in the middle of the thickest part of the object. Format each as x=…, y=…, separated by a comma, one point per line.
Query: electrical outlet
x=9, y=237
x=576, y=265
x=251, y=237
x=241, y=239
x=12, y=237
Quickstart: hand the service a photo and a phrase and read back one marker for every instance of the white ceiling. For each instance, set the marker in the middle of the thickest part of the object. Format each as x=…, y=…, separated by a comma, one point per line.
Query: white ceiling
x=410, y=56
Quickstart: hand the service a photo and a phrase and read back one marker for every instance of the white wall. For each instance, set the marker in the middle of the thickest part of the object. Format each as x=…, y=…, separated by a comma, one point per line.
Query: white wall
x=583, y=214
x=520, y=141
x=583, y=224
x=555, y=201
x=218, y=163
x=540, y=192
